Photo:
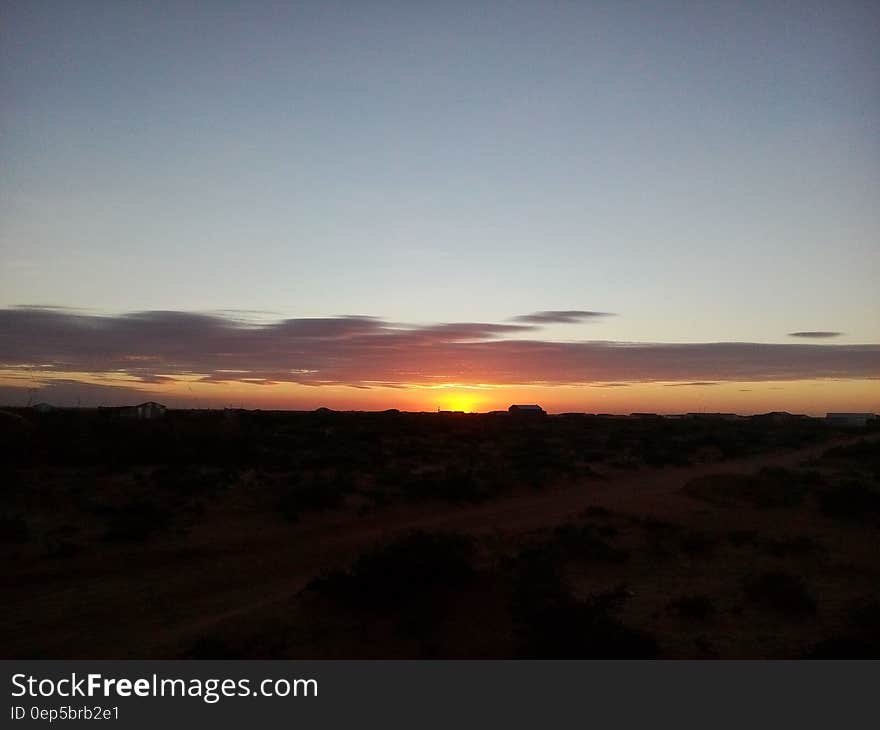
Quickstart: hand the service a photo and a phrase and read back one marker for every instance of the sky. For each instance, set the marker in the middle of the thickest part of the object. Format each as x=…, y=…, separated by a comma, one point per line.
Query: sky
x=598, y=206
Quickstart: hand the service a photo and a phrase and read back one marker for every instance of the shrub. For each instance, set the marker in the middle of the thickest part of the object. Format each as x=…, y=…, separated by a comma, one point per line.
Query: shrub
x=864, y=614
x=846, y=646
x=14, y=530
x=586, y=542
x=315, y=494
x=780, y=592
x=136, y=522
x=797, y=546
x=853, y=501
x=595, y=510
x=769, y=488
x=552, y=624
x=693, y=607
x=738, y=538
x=267, y=640
x=185, y=480
x=400, y=573
x=860, y=641
x=213, y=646
x=450, y=484
x=863, y=454
x=694, y=542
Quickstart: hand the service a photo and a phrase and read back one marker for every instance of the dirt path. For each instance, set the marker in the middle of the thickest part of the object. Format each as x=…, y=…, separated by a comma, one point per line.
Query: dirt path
x=149, y=603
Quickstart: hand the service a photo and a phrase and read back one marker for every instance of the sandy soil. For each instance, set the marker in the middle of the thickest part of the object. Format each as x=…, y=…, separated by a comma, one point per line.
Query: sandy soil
x=147, y=601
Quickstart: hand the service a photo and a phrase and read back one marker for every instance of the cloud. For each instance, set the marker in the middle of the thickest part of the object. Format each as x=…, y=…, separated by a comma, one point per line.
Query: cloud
x=74, y=392
x=819, y=334
x=363, y=351
x=680, y=385
x=567, y=316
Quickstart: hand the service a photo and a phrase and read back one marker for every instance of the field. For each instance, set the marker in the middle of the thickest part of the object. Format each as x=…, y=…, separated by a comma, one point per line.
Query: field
x=211, y=534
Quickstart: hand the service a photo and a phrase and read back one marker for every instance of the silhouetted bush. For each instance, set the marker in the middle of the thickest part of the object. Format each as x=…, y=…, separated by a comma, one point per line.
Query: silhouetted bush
x=14, y=530
x=863, y=454
x=693, y=607
x=313, y=494
x=187, y=480
x=551, y=624
x=864, y=614
x=853, y=501
x=242, y=638
x=586, y=542
x=862, y=638
x=738, y=538
x=666, y=539
x=135, y=522
x=769, y=488
x=213, y=647
x=846, y=646
x=793, y=547
x=695, y=542
x=400, y=573
x=596, y=511
x=451, y=484
x=780, y=592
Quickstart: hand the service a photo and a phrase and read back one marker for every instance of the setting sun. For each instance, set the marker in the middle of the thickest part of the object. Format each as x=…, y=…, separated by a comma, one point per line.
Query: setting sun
x=466, y=402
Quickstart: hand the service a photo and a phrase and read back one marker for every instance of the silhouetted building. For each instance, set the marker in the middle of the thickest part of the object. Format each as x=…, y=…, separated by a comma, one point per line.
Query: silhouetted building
x=779, y=416
x=148, y=410
x=529, y=410
x=849, y=419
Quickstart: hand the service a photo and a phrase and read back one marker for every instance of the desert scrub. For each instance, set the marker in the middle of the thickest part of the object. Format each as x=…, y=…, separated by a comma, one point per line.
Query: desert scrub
x=768, y=489
x=851, y=501
x=401, y=572
x=780, y=592
x=588, y=543
x=698, y=607
x=14, y=530
x=315, y=493
x=136, y=521
x=552, y=624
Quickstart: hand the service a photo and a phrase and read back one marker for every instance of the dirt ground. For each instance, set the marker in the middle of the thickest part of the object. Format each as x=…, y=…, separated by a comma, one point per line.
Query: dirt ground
x=237, y=572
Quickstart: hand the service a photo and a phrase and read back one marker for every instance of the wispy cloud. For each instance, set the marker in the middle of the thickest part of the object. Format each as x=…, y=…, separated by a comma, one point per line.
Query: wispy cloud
x=817, y=334
x=566, y=316
x=364, y=351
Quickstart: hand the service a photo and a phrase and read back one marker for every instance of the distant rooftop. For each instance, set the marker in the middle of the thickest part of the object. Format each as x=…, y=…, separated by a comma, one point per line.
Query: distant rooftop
x=525, y=409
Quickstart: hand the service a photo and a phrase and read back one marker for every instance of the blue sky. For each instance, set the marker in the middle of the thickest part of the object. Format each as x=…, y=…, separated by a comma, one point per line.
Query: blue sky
x=706, y=171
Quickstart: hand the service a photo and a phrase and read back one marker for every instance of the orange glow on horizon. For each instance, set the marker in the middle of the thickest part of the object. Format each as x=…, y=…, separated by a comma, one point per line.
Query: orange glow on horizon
x=458, y=401
x=812, y=397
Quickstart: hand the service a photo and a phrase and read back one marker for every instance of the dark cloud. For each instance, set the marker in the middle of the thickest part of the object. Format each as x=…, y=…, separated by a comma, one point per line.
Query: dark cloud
x=566, y=316
x=148, y=347
x=73, y=392
x=818, y=334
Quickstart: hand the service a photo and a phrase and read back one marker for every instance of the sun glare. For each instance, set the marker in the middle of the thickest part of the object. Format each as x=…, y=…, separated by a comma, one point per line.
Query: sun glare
x=460, y=402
